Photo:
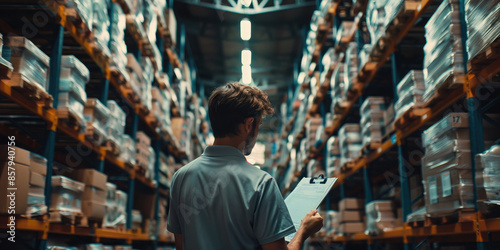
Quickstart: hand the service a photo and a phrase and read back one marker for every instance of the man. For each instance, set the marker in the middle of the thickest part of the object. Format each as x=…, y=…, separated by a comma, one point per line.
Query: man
x=220, y=201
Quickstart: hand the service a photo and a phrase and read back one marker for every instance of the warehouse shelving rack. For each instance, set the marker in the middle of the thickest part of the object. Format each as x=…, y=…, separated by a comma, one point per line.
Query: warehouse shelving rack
x=476, y=228
x=48, y=114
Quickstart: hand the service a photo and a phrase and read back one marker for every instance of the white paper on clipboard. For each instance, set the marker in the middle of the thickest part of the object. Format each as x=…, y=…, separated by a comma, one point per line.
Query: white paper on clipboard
x=306, y=196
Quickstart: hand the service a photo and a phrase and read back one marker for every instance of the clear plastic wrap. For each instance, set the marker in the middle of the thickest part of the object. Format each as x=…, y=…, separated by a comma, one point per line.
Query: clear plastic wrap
x=412, y=98
x=148, y=76
x=69, y=102
x=27, y=60
x=414, y=80
x=372, y=133
x=150, y=23
x=116, y=122
x=119, y=22
x=379, y=217
x=332, y=222
x=84, y=9
x=128, y=149
x=351, y=65
x=449, y=122
x=447, y=154
x=74, y=89
x=100, y=22
x=447, y=191
x=66, y=194
x=418, y=215
x=364, y=55
x=375, y=19
x=97, y=114
x=488, y=173
x=93, y=246
x=391, y=9
x=482, y=24
x=74, y=71
x=373, y=103
x=151, y=164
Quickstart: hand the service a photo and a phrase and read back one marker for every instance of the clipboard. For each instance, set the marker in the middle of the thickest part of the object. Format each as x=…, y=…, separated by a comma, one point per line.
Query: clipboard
x=307, y=196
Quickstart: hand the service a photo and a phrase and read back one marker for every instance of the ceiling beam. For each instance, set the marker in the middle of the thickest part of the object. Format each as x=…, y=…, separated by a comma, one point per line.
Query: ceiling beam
x=256, y=6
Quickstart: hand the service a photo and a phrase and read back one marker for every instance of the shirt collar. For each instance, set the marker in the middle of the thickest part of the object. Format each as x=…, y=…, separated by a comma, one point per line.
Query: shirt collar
x=222, y=151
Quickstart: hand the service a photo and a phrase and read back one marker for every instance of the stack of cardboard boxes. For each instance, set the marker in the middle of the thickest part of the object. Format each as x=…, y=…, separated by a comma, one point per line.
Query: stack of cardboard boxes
x=142, y=156
x=351, y=216
x=145, y=203
x=116, y=126
x=380, y=217
x=312, y=128
x=443, y=51
x=117, y=45
x=96, y=115
x=29, y=182
x=116, y=204
x=66, y=198
x=128, y=150
x=446, y=166
x=72, y=96
x=338, y=90
x=349, y=142
x=94, y=195
x=332, y=156
x=351, y=66
x=372, y=121
x=332, y=222
x=28, y=61
x=410, y=91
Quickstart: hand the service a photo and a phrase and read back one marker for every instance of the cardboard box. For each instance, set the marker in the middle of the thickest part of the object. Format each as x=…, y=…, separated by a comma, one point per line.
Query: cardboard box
x=93, y=210
x=22, y=173
x=94, y=194
x=351, y=215
x=351, y=204
x=21, y=156
x=145, y=203
x=352, y=227
x=90, y=177
x=34, y=190
x=37, y=179
x=38, y=164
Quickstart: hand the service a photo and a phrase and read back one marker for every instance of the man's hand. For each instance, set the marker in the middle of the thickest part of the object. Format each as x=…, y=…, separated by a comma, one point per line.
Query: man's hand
x=311, y=223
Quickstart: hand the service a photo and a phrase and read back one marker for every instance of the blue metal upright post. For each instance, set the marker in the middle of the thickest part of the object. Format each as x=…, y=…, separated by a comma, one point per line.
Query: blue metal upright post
x=157, y=149
x=54, y=77
x=367, y=186
x=130, y=201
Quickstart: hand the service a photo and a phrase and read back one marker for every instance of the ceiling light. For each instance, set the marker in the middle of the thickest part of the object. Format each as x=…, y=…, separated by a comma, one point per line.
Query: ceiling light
x=245, y=29
x=246, y=3
x=246, y=57
x=246, y=74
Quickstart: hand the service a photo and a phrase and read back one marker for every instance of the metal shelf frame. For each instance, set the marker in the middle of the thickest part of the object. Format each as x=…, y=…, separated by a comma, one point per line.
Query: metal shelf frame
x=49, y=115
x=478, y=227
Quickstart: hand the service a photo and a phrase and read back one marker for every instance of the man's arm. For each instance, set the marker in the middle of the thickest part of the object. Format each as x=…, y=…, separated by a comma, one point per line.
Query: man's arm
x=311, y=224
x=178, y=241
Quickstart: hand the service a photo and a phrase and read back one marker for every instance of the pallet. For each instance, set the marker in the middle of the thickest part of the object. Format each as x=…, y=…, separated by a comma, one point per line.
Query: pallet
x=464, y=215
x=5, y=69
x=31, y=90
x=66, y=217
x=94, y=135
x=71, y=120
x=74, y=18
x=409, y=116
x=118, y=228
x=487, y=56
x=89, y=222
x=449, y=85
x=120, y=76
x=405, y=15
x=112, y=148
x=374, y=144
x=130, y=94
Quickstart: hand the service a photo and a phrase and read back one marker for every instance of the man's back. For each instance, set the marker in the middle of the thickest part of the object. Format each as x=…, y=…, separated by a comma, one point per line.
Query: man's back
x=219, y=201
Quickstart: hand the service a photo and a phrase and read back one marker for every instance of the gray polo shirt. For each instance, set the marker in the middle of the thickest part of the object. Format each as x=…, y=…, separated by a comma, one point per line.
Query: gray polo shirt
x=220, y=201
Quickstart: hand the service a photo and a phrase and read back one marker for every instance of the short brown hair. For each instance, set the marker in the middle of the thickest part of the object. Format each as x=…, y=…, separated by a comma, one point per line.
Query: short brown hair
x=232, y=103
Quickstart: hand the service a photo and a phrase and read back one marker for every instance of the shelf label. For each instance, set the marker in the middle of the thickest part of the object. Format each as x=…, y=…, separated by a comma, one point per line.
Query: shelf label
x=446, y=183
x=433, y=193
x=457, y=119
x=393, y=139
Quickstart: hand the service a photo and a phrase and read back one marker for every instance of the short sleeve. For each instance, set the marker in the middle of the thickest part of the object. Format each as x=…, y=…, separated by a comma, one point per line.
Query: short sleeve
x=272, y=220
x=173, y=223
